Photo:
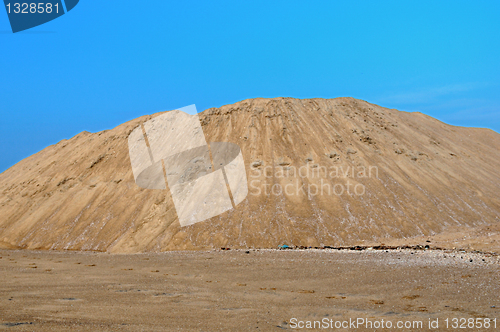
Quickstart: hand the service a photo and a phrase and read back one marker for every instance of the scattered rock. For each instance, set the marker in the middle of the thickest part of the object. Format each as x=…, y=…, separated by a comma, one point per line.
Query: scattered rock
x=257, y=163
x=98, y=160
x=16, y=324
x=367, y=139
x=351, y=151
x=331, y=155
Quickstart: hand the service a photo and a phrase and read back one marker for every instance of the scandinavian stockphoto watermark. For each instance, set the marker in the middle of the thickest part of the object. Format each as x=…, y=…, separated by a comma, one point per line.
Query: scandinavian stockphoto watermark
x=310, y=179
x=25, y=15
x=357, y=323
x=382, y=324
x=170, y=151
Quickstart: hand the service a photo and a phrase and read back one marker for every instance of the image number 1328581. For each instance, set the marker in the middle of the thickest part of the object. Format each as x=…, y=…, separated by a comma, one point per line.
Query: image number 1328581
x=32, y=8
x=26, y=15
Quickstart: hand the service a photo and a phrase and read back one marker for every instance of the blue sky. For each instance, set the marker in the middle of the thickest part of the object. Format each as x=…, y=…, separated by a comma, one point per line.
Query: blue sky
x=105, y=63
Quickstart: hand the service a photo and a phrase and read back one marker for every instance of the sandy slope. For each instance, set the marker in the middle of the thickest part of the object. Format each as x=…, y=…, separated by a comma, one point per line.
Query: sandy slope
x=433, y=179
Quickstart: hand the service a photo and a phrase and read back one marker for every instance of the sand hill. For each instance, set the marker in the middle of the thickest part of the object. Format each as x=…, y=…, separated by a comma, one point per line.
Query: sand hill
x=386, y=176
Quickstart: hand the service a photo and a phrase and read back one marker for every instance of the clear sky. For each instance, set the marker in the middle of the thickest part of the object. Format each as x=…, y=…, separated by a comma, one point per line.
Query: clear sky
x=107, y=62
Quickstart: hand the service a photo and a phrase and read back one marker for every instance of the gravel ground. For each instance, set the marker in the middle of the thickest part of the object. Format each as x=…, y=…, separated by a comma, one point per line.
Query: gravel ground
x=240, y=290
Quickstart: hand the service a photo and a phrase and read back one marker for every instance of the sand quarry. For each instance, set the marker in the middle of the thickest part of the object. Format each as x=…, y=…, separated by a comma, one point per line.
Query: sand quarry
x=83, y=247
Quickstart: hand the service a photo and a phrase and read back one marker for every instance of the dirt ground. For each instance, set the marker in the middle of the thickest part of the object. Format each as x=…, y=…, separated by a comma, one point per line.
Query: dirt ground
x=238, y=290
